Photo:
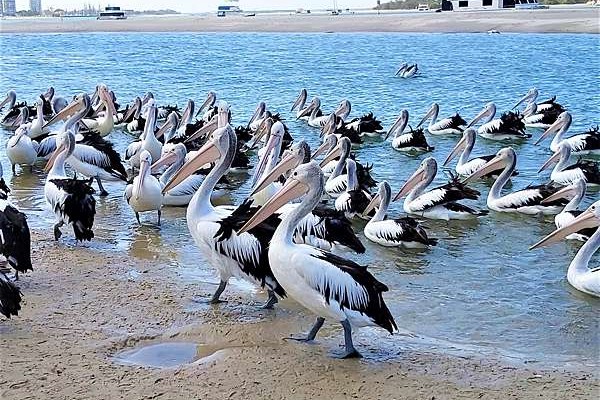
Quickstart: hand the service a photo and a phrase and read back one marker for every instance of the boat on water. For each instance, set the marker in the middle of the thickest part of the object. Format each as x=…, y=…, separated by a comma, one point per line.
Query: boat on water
x=112, y=12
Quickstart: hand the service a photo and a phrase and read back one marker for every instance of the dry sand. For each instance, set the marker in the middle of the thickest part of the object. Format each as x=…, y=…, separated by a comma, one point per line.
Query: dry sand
x=83, y=305
x=561, y=20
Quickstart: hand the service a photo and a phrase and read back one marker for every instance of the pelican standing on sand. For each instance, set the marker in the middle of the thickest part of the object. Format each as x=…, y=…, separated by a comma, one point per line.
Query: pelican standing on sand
x=145, y=193
x=328, y=285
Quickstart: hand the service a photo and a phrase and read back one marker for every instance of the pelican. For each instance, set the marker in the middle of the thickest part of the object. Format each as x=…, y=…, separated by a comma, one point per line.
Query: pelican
x=407, y=71
x=446, y=126
x=337, y=182
x=544, y=113
x=579, y=275
x=20, y=117
x=209, y=106
x=401, y=69
x=71, y=200
x=367, y=125
x=328, y=285
x=268, y=160
x=15, y=239
x=508, y=127
x=526, y=201
x=440, y=202
x=583, y=143
x=466, y=166
x=36, y=127
x=575, y=192
x=148, y=141
x=10, y=297
x=403, y=232
x=12, y=109
x=335, y=126
x=354, y=199
x=329, y=144
x=565, y=174
x=21, y=150
x=314, y=108
x=258, y=117
x=413, y=141
x=299, y=105
x=145, y=193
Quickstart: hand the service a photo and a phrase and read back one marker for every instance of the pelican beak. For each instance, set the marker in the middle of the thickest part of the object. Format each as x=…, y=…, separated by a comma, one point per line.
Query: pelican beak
x=206, y=130
x=413, y=181
x=6, y=99
x=492, y=165
x=166, y=159
x=456, y=150
x=426, y=117
x=288, y=163
x=290, y=191
x=322, y=149
x=587, y=219
x=65, y=112
x=52, y=158
x=402, y=68
x=161, y=131
x=329, y=127
x=210, y=100
x=187, y=113
x=333, y=154
x=565, y=193
x=263, y=129
x=343, y=109
x=260, y=109
x=263, y=160
x=375, y=202
x=306, y=111
x=130, y=112
x=482, y=114
x=555, y=127
x=553, y=159
x=299, y=100
x=207, y=154
x=399, y=125
x=523, y=99
x=144, y=167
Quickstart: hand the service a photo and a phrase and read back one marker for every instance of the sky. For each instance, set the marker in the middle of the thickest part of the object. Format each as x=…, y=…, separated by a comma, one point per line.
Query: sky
x=201, y=5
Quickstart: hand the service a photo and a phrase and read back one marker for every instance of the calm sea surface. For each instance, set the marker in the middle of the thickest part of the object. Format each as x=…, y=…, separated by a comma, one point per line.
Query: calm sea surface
x=480, y=289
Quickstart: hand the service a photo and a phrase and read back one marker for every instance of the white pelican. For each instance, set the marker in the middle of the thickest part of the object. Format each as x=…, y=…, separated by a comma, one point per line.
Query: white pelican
x=413, y=141
x=526, y=201
x=407, y=71
x=440, y=202
x=36, y=127
x=329, y=143
x=258, y=117
x=15, y=239
x=300, y=104
x=446, y=126
x=576, y=192
x=337, y=182
x=328, y=285
x=314, y=108
x=145, y=193
x=231, y=255
x=21, y=150
x=269, y=158
x=566, y=174
x=542, y=114
x=508, y=127
x=353, y=200
x=71, y=200
x=335, y=126
x=10, y=297
x=12, y=109
x=466, y=166
x=367, y=125
x=148, y=141
x=209, y=106
x=583, y=143
x=402, y=232
x=579, y=275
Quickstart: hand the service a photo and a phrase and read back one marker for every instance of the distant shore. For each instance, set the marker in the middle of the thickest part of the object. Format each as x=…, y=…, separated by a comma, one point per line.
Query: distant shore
x=553, y=20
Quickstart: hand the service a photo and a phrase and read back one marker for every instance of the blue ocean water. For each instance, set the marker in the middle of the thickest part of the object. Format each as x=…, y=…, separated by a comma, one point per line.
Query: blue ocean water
x=480, y=288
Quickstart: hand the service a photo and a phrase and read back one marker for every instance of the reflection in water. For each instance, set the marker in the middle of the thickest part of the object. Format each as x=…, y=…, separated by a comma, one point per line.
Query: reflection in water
x=479, y=286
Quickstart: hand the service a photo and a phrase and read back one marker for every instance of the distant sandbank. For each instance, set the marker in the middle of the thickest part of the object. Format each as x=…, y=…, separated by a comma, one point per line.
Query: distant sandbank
x=554, y=20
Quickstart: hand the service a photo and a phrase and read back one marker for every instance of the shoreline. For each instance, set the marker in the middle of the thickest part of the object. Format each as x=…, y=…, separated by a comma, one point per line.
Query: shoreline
x=81, y=308
x=553, y=20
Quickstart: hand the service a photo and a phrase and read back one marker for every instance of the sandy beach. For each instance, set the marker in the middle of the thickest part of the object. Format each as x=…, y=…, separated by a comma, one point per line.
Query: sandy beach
x=554, y=20
x=84, y=305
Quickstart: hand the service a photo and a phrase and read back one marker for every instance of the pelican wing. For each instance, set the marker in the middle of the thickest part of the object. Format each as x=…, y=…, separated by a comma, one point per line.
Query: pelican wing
x=15, y=239
x=584, y=141
x=47, y=146
x=10, y=297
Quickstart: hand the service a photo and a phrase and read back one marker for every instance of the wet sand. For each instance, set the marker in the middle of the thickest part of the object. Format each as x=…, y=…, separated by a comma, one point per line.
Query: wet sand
x=84, y=304
x=554, y=20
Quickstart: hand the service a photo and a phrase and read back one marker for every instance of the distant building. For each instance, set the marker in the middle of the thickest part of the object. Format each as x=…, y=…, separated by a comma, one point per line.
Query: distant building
x=1, y=8
x=458, y=5
x=35, y=6
x=9, y=8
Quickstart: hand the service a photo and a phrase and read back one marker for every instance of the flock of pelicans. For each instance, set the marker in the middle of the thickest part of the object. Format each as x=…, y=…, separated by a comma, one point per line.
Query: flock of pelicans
x=281, y=238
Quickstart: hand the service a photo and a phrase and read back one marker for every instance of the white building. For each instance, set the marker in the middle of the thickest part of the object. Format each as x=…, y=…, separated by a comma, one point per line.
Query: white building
x=35, y=6
x=9, y=8
x=458, y=5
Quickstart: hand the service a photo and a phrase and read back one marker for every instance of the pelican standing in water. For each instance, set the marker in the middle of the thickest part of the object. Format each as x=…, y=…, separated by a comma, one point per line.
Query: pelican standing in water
x=328, y=285
x=566, y=174
x=148, y=141
x=583, y=143
x=440, y=202
x=526, y=201
x=413, y=141
x=145, y=193
x=446, y=126
x=579, y=275
x=402, y=232
x=21, y=150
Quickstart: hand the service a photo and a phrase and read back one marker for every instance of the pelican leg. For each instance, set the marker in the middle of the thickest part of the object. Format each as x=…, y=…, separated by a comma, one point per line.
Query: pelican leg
x=313, y=332
x=137, y=216
x=351, y=352
x=271, y=301
x=103, y=193
x=215, y=299
x=16, y=275
x=14, y=169
x=159, y=214
x=57, y=232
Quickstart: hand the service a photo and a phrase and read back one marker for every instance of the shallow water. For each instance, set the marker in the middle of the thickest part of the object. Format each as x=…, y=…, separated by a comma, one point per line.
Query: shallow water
x=480, y=288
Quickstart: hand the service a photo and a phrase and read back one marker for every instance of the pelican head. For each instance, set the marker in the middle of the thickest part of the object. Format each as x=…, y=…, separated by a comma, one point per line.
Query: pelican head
x=343, y=109
x=300, y=100
x=219, y=120
x=330, y=125
x=22, y=117
x=590, y=218
x=211, y=99
x=562, y=153
x=384, y=194
x=401, y=68
x=49, y=94
x=306, y=180
x=11, y=99
x=530, y=109
x=561, y=125
x=145, y=167
x=531, y=96
x=328, y=144
x=433, y=112
x=21, y=131
x=258, y=112
x=575, y=190
x=423, y=175
x=488, y=112
x=277, y=132
x=80, y=102
x=170, y=126
x=147, y=97
x=503, y=157
x=399, y=125
x=342, y=149
x=466, y=142
x=315, y=104
x=65, y=143
x=292, y=158
x=170, y=156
